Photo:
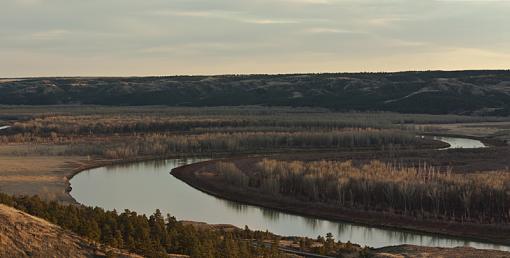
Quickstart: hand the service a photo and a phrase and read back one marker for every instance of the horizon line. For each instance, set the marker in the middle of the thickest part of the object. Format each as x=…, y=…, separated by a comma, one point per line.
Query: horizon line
x=254, y=74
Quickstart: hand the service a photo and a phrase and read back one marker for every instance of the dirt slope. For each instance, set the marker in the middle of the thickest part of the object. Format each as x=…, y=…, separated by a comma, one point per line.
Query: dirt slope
x=23, y=235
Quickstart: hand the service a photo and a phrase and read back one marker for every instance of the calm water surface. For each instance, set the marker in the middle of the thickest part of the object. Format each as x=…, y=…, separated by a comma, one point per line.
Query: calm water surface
x=460, y=143
x=146, y=186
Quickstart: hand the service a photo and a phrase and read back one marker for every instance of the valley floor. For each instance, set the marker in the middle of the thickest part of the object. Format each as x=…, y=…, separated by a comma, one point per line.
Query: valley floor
x=27, y=170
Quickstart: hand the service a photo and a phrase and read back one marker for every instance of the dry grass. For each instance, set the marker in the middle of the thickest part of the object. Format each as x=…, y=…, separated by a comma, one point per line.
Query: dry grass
x=45, y=176
x=23, y=235
x=33, y=165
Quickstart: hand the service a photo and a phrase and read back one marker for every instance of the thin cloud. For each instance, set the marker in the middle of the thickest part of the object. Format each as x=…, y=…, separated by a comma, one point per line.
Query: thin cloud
x=49, y=35
x=28, y=2
x=270, y=21
x=322, y=30
x=385, y=21
x=191, y=48
x=232, y=16
x=311, y=2
x=475, y=1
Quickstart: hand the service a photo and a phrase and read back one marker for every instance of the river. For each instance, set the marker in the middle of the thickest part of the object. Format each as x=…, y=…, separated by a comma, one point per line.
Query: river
x=460, y=143
x=146, y=186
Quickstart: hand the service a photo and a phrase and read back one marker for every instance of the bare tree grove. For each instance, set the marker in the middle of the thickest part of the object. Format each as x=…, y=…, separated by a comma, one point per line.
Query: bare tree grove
x=422, y=191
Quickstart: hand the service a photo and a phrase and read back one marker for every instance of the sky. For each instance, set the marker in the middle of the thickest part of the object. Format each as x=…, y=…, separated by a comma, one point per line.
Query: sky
x=178, y=37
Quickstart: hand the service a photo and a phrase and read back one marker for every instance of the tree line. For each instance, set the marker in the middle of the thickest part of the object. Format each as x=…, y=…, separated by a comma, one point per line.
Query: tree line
x=153, y=236
x=158, y=235
x=90, y=120
x=423, y=191
x=163, y=144
x=130, y=124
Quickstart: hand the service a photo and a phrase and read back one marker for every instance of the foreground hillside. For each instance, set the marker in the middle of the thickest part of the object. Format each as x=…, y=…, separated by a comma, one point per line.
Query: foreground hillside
x=462, y=92
x=23, y=235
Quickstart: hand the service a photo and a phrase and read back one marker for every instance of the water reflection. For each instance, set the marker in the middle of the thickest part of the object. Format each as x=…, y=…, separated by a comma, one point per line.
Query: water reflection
x=271, y=215
x=146, y=186
x=312, y=223
x=238, y=207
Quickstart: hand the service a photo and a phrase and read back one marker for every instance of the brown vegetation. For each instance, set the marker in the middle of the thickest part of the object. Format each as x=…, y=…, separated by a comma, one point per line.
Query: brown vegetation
x=423, y=192
x=256, y=141
x=97, y=120
x=205, y=177
x=46, y=145
x=45, y=176
x=127, y=132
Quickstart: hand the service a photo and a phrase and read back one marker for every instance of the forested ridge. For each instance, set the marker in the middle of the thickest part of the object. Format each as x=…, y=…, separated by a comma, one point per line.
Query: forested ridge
x=153, y=236
x=433, y=92
x=159, y=236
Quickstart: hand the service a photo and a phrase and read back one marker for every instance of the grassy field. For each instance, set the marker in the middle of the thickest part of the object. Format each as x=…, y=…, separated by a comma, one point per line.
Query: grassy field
x=35, y=174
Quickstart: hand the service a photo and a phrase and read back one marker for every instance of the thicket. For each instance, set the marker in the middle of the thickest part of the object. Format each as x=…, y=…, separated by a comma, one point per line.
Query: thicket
x=129, y=124
x=161, y=144
x=238, y=142
x=96, y=120
x=424, y=192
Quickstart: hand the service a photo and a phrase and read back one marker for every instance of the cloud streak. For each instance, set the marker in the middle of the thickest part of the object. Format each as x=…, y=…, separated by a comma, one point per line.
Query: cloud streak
x=225, y=15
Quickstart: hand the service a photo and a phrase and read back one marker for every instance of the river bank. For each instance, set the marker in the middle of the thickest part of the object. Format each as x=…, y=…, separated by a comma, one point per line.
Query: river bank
x=201, y=176
x=48, y=176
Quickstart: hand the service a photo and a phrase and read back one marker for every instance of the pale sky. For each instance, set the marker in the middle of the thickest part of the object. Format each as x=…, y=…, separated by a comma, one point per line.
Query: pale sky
x=174, y=37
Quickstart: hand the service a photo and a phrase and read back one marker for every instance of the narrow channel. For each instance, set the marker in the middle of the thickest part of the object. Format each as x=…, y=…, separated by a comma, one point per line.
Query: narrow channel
x=146, y=186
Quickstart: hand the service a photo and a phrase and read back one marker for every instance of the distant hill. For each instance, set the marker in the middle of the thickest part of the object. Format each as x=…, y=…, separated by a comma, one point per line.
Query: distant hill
x=433, y=92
